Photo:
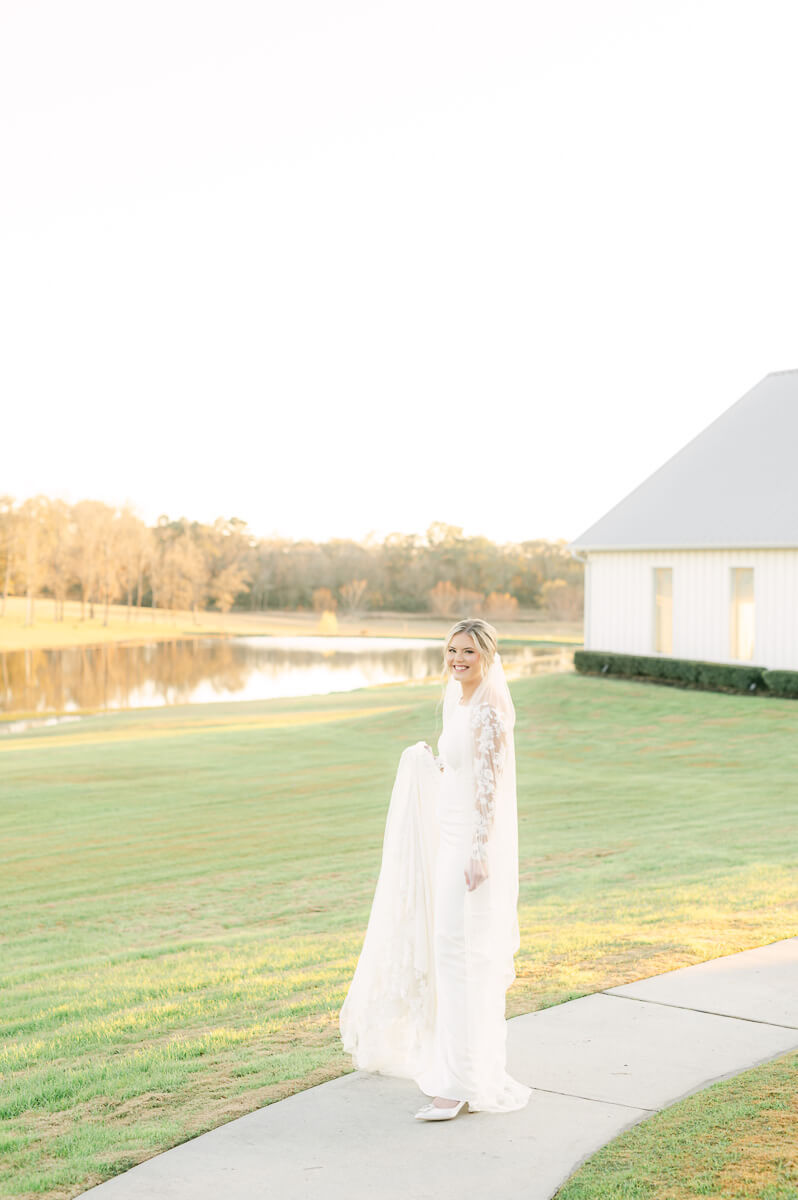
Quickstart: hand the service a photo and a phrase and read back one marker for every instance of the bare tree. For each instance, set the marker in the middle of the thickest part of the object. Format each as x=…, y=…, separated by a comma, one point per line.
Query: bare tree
x=158, y=571
x=91, y=518
x=8, y=534
x=59, y=555
x=109, y=559
x=262, y=573
x=33, y=539
x=353, y=595
x=193, y=567
x=133, y=547
x=166, y=572
x=159, y=564
x=145, y=550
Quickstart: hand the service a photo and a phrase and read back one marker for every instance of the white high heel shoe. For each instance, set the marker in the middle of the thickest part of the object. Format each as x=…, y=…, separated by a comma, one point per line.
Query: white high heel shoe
x=433, y=1112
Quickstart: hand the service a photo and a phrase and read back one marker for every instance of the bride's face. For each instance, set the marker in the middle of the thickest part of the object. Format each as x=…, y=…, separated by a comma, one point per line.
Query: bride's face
x=463, y=658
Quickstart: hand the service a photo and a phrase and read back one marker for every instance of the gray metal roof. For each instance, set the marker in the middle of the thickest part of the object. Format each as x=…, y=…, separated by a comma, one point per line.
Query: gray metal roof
x=733, y=486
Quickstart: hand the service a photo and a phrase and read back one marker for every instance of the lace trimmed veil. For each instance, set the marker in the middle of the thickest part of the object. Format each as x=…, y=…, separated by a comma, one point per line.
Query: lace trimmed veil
x=388, y=1016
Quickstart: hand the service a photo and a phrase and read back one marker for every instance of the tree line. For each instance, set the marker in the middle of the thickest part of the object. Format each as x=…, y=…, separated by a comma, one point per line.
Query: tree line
x=100, y=555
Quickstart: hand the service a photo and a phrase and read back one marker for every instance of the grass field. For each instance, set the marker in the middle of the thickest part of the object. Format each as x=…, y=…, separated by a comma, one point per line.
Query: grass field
x=146, y=626
x=185, y=891
x=736, y=1141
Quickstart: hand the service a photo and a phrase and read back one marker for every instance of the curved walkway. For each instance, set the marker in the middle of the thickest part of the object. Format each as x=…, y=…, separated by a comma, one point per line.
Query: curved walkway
x=597, y=1065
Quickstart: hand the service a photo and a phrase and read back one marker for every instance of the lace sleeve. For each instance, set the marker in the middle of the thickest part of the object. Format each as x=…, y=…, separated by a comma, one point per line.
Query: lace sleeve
x=490, y=748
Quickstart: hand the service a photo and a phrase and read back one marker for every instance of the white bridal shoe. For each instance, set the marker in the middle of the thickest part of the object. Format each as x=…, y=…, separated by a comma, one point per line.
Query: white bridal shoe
x=433, y=1112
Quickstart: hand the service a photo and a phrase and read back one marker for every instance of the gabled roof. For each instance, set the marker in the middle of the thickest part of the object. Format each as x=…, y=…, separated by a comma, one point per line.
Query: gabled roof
x=734, y=486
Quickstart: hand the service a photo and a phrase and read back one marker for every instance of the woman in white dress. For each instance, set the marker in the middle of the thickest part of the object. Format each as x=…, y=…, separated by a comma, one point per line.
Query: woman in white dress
x=427, y=998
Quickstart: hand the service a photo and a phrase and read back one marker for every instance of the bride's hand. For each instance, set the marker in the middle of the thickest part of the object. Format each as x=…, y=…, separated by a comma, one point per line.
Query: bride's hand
x=437, y=761
x=475, y=873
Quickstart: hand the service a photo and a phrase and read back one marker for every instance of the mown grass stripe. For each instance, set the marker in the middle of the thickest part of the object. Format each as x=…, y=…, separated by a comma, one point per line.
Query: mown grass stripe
x=208, y=888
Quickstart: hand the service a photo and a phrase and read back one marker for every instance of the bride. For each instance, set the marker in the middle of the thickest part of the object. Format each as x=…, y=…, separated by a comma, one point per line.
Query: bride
x=427, y=998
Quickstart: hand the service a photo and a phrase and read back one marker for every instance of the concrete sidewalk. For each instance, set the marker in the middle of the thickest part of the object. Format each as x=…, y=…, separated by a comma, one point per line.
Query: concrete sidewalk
x=597, y=1066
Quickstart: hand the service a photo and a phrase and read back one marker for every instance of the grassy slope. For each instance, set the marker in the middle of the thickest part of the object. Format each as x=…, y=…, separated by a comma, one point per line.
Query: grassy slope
x=736, y=1141
x=185, y=891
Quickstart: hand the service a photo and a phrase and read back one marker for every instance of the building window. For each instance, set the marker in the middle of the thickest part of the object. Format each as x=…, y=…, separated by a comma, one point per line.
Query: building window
x=742, y=612
x=663, y=610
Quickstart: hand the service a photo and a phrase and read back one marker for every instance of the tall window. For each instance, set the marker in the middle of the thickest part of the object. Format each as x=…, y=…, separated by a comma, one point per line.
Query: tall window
x=742, y=612
x=663, y=610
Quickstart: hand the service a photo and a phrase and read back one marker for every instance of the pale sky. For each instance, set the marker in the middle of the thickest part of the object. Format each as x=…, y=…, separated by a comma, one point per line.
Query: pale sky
x=340, y=267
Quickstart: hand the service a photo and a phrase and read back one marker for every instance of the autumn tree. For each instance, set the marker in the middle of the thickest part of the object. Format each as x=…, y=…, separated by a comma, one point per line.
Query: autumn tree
x=91, y=519
x=500, y=606
x=109, y=560
x=134, y=547
x=178, y=568
x=324, y=600
x=161, y=569
x=229, y=561
x=563, y=601
x=193, y=551
x=105, y=554
x=58, y=554
x=32, y=539
x=443, y=598
x=447, y=600
x=8, y=534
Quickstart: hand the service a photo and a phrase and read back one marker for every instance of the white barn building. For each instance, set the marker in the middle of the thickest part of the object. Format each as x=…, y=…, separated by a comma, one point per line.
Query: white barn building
x=701, y=560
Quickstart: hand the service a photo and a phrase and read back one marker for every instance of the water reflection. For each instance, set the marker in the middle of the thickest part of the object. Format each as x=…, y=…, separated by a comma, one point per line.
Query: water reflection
x=199, y=671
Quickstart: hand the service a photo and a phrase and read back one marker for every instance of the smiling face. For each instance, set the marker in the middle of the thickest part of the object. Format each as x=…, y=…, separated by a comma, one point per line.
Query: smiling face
x=463, y=659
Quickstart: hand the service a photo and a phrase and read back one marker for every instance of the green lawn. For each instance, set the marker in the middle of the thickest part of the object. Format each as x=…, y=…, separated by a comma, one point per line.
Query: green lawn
x=185, y=891
x=737, y=1140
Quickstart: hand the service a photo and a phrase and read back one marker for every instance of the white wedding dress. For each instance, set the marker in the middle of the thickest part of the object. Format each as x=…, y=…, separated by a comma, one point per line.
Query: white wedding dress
x=427, y=998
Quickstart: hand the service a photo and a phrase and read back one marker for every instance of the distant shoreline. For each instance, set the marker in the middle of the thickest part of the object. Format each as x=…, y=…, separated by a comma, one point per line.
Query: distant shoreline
x=47, y=634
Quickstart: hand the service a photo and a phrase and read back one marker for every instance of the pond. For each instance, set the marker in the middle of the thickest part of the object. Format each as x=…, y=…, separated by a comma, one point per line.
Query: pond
x=198, y=671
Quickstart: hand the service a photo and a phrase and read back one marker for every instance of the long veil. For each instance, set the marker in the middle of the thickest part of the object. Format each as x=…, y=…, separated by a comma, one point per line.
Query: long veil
x=388, y=1016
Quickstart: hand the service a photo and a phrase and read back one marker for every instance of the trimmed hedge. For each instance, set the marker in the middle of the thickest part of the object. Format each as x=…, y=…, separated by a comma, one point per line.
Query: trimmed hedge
x=782, y=683
x=684, y=672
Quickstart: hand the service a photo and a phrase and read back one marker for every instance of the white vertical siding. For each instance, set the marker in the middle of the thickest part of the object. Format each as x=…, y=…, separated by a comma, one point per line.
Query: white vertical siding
x=620, y=614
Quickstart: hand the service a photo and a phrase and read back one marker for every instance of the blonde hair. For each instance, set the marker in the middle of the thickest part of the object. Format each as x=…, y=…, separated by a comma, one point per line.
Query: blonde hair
x=485, y=639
